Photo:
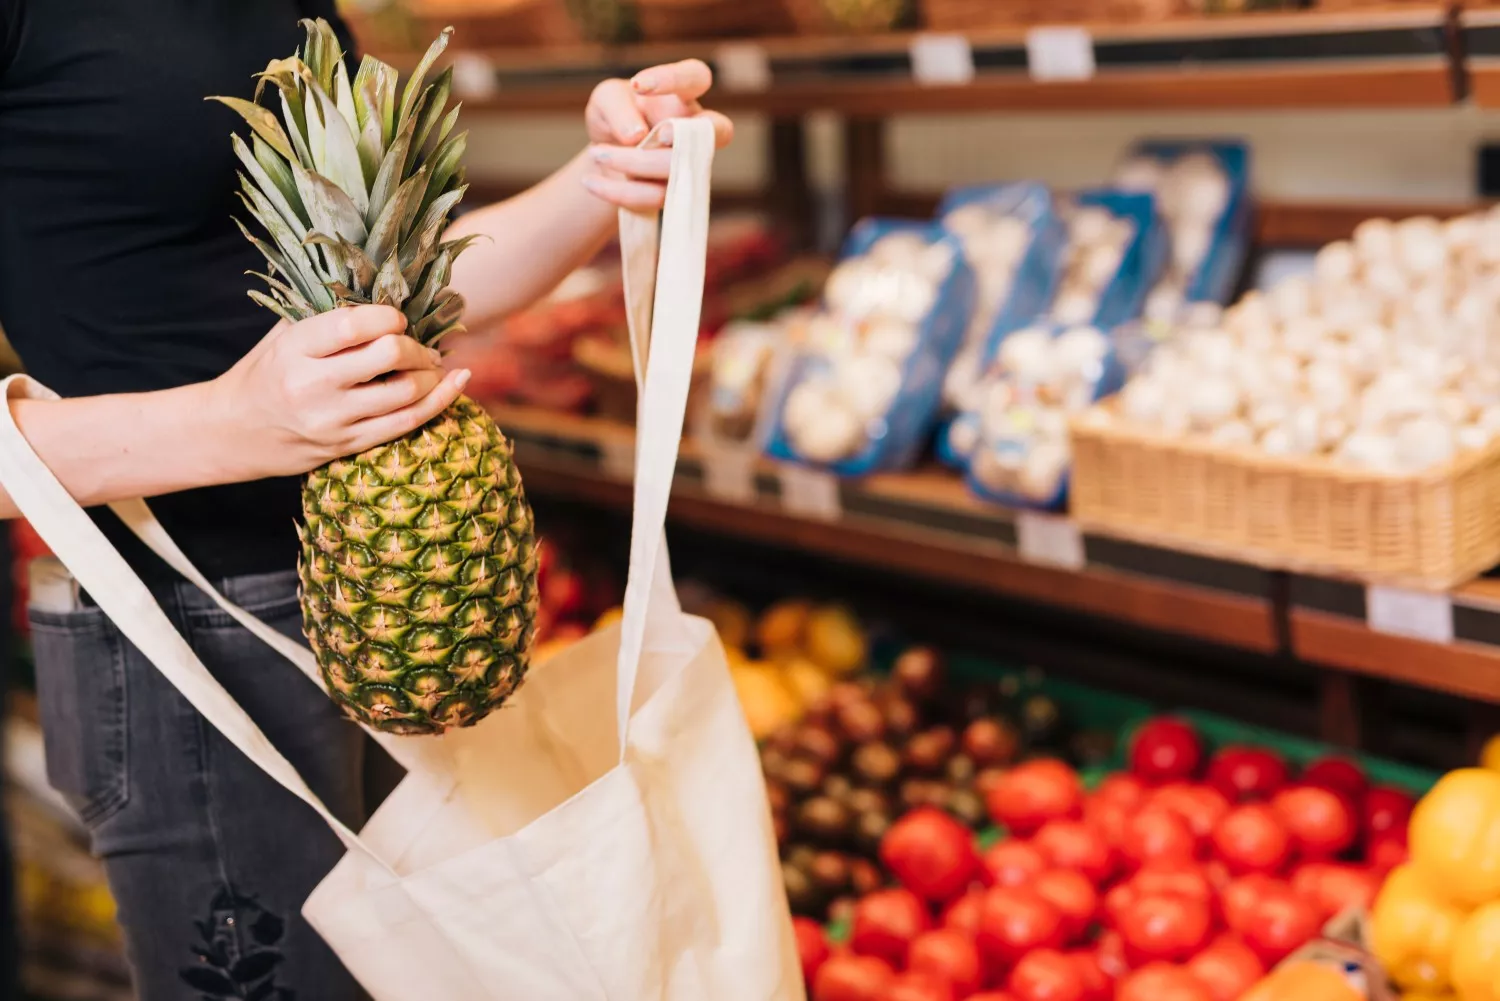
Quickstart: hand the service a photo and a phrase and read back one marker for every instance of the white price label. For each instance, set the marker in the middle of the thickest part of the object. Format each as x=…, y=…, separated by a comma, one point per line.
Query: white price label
x=1049, y=540
x=617, y=457
x=942, y=60
x=811, y=493
x=1060, y=54
x=473, y=76
x=743, y=67
x=1421, y=615
x=729, y=474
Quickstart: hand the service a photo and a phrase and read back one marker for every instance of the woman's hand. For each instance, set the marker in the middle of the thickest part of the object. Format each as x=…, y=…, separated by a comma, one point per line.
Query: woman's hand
x=330, y=386
x=622, y=112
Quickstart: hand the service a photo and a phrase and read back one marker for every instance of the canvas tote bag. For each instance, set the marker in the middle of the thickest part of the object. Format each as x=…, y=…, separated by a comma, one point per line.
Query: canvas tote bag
x=606, y=835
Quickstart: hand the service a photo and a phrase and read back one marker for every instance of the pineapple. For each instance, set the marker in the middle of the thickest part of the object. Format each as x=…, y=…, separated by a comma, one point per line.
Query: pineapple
x=418, y=563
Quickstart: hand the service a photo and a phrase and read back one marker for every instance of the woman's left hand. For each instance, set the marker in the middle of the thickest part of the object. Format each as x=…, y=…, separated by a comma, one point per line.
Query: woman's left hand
x=622, y=112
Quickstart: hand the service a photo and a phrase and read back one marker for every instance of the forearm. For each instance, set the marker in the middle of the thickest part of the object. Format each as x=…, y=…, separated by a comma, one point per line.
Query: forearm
x=119, y=447
x=534, y=241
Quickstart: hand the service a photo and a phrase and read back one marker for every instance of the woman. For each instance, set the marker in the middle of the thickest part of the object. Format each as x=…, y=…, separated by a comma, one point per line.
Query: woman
x=122, y=287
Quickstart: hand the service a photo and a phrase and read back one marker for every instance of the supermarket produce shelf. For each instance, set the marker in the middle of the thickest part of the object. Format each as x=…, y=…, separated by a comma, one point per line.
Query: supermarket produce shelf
x=923, y=524
x=1479, y=37
x=1398, y=57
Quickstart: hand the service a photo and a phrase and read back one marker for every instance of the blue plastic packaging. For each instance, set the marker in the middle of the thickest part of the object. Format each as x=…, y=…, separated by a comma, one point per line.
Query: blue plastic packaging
x=894, y=440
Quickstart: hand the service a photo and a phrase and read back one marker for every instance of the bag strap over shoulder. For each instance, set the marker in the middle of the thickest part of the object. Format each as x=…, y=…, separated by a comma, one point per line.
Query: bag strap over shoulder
x=664, y=310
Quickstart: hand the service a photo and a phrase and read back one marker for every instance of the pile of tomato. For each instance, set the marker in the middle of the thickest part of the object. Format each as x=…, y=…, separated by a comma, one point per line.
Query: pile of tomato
x=1185, y=878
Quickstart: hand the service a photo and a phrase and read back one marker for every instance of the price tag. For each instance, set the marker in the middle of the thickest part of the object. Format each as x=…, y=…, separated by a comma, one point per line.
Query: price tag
x=1049, y=540
x=1060, y=54
x=617, y=458
x=1421, y=615
x=942, y=60
x=729, y=474
x=810, y=493
x=743, y=67
x=473, y=76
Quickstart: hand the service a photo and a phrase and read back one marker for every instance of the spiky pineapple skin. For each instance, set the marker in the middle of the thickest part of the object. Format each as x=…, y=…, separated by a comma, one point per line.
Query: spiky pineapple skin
x=418, y=575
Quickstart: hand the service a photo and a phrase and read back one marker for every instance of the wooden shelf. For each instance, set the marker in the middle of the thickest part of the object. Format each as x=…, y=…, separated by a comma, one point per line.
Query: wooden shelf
x=922, y=524
x=1479, y=36
x=1383, y=58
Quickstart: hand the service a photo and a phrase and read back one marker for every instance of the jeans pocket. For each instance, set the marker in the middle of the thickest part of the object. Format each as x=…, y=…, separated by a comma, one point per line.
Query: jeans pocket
x=80, y=678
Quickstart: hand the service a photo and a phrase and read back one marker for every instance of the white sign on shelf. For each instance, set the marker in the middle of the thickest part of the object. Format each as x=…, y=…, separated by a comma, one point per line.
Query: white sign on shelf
x=811, y=493
x=1422, y=615
x=939, y=60
x=743, y=67
x=1049, y=540
x=1054, y=54
x=617, y=458
x=473, y=76
x=729, y=473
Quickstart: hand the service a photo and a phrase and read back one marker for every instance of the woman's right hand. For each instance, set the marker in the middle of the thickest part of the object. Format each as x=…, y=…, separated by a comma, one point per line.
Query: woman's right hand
x=330, y=386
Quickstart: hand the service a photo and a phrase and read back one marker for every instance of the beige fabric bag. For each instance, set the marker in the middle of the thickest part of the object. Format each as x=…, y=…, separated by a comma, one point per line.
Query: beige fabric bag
x=606, y=836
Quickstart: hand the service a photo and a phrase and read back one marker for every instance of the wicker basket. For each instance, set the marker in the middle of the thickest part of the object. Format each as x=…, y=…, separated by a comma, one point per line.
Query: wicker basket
x=691, y=20
x=1434, y=530
x=498, y=23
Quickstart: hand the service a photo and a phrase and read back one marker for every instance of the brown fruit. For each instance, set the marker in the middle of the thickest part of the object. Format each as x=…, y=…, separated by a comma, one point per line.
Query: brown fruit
x=824, y=820
x=991, y=742
x=801, y=893
x=830, y=873
x=927, y=753
x=865, y=876
x=901, y=716
x=838, y=787
x=868, y=801
x=870, y=828
x=860, y=722
x=802, y=777
x=919, y=673
x=923, y=792
x=961, y=770
x=782, y=628
x=819, y=744
x=987, y=779
x=968, y=806
x=876, y=763
x=777, y=796
x=782, y=829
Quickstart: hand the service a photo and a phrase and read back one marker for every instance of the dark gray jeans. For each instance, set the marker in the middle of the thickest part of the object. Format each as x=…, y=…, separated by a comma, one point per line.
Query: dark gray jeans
x=209, y=859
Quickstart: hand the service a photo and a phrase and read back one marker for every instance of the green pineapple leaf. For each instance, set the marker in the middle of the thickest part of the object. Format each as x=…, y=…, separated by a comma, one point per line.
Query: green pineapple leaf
x=446, y=161
x=361, y=268
x=331, y=210
x=268, y=187
x=390, y=287
x=414, y=84
x=388, y=179
x=385, y=235
x=262, y=122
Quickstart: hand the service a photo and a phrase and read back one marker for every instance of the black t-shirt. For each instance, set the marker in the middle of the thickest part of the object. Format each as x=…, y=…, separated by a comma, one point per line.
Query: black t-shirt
x=120, y=267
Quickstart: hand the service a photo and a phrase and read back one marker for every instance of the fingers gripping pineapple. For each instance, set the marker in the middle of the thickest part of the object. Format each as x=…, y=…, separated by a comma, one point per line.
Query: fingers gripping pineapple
x=418, y=565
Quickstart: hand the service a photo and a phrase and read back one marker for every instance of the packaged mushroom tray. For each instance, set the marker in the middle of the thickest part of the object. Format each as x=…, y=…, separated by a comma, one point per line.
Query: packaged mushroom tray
x=862, y=392
x=1013, y=241
x=1201, y=190
x=1344, y=422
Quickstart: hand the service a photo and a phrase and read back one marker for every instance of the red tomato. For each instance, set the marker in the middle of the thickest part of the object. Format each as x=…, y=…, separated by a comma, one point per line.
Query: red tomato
x=853, y=978
x=1164, y=927
x=1333, y=889
x=963, y=914
x=1108, y=818
x=931, y=853
x=1012, y=862
x=1014, y=920
x=1240, y=898
x=812, y=947
x=1098, y=985
x=1244, y=774
x=885, y=922
x=949, y=954
x=1156, y=834
x=919, y=987
x=1033, y=793
x=1161, y=982
x=1387, y=853
x=1252, y=839
x=1109, y=952
x=1072, y=844
x=993, y=996
x=1117, y=901
x=1228, y=968
x=1122, y=789
x=1173, y=878
x=1339, y=775
x=1279, y=923
x=1165, y=750
x=1320, y=822
x=1074, y=897
x=1046, y=975
x=1202, y=807
x=1386, y=811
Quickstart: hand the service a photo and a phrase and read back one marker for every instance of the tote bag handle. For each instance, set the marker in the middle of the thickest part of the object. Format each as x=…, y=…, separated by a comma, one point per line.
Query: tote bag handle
x=663, y=311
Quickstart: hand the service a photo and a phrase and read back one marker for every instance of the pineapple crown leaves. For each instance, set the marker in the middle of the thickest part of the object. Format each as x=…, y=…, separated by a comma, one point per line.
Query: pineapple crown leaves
x=352, y=186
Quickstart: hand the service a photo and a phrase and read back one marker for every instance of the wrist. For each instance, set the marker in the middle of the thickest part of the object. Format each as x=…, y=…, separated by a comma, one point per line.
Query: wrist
x=231, y=448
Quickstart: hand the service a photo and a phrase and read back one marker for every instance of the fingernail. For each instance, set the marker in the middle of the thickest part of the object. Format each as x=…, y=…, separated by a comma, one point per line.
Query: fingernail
x=463, y=378
x=592, y=183
x=645, y=83
x=437, y=356
x=601, y=155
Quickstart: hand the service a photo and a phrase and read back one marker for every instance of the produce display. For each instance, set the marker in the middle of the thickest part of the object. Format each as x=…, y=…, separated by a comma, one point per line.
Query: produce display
x=1380, y=361
x=355, y=212
x=1099, y=284
x=871, y=362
